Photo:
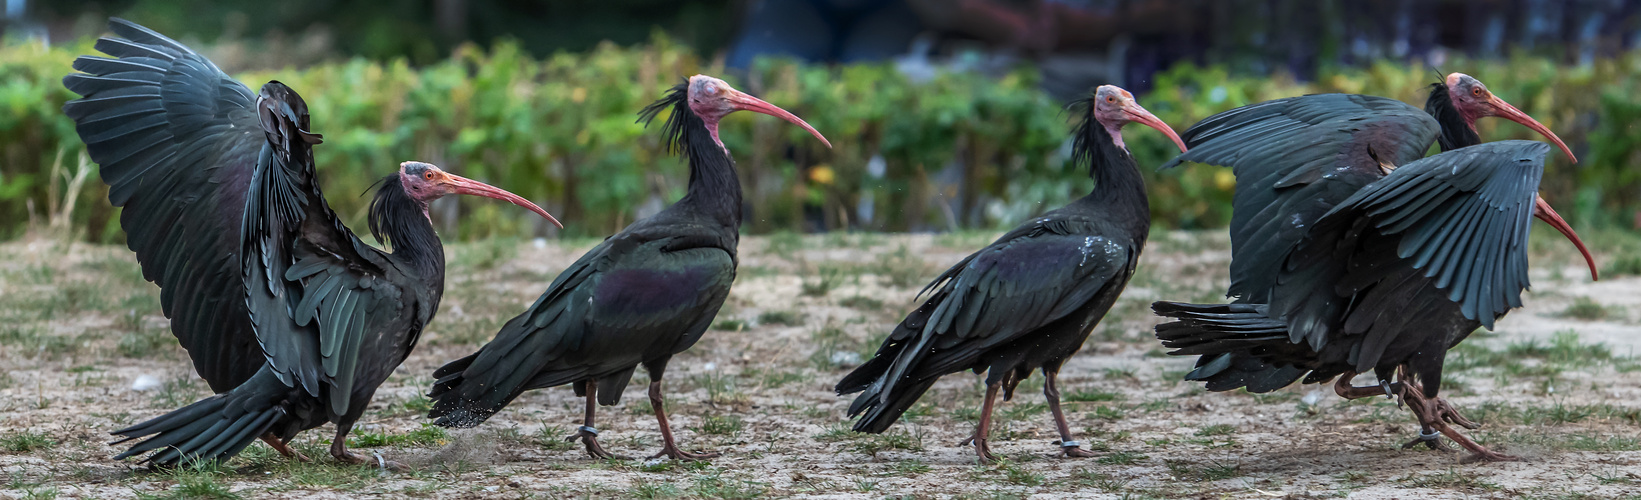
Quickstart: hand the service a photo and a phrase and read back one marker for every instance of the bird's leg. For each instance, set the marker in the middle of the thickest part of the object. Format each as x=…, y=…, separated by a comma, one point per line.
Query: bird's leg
x=1347, y=391
x=1433, y=426
x=1051, y=391
x=339, y=450
x=587, y=433
x=283, y=450
x=984, y=427
x=670, y=448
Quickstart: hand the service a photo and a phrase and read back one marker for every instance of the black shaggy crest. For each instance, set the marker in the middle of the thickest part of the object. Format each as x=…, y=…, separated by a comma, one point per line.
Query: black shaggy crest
x=678, y=130
x=1090, y=142
x=392, y=214
x=1456, y=132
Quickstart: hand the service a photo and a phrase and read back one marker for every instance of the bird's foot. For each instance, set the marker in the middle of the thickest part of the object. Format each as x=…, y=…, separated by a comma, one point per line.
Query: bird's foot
x=1447, y=413
x=671, y=450
x=981, y=449
x=375, y=460
x=1431, y=439
x=1484, y=455
x=1073, y=449
x=589, y=438
x=283, y=449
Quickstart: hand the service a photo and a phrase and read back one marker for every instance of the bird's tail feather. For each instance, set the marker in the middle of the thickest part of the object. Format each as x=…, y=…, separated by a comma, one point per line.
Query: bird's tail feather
x=878, y=413
x=214, y=428
x=1225, y=335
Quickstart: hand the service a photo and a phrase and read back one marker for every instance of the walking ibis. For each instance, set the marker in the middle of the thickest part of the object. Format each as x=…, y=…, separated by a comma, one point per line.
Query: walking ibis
x=289, y=317
x=1030, y=299
x=638, y=298
x=1298, y=161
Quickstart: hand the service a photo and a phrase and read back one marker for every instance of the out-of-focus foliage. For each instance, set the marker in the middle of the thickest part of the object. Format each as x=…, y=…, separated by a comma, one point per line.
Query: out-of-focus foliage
x=959, y=150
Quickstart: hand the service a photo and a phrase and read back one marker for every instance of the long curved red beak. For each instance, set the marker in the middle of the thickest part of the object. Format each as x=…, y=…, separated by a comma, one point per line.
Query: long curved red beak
x=463, y=185
x=745, y=101
x=1543, y=211
x=1506, y=111
x=1139, y=115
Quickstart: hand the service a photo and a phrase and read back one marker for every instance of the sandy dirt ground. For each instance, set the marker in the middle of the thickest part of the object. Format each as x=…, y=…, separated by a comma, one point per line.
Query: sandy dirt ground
x=84, y=350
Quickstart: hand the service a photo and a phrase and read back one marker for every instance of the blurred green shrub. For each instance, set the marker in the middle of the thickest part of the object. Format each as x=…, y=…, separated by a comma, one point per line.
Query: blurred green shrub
x=560, y=130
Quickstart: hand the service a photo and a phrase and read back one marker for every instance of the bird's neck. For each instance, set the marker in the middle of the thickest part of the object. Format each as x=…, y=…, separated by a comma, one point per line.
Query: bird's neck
x=402, y=223
x=1458, y=130
x=1119, y=190
x=714, y=187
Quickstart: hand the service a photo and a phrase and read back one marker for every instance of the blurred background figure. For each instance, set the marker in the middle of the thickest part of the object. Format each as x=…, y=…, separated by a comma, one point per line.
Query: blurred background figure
x=1076, y=43
x=946, y=111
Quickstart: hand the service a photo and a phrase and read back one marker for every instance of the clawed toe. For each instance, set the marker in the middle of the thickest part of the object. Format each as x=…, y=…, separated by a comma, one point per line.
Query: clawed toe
x=677, y=454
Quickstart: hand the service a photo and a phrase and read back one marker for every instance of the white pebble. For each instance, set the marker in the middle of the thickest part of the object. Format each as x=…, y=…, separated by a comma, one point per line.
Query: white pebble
x=710, y=366
x=145, y=383
x=539, y=242
x=1311, y=398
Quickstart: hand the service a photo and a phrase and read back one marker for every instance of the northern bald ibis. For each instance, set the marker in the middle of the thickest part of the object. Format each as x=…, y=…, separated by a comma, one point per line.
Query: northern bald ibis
x=1030, y=299
x=1299, y=160
x=290, y=318
x=643, y=295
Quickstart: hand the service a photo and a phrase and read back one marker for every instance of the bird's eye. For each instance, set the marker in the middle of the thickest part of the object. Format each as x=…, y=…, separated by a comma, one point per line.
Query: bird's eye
x=1110, y=99
x=1476, y=91
x=428, y=176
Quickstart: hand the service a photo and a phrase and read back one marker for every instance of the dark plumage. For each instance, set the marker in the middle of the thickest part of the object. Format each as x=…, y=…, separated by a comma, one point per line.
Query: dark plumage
x=638, y=298
x=288, y=316
x=1030, y=299
x=1299, y=161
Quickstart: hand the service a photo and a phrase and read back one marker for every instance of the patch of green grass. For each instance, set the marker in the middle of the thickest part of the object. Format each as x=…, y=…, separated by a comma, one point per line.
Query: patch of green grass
x=486, y=254
x=900, y=268
x=715, y=485
x=1099, y=480
x=1623, y=265
x=862, y=303
x=721, y=426
x=872, y=444
x=648, y=490
x=825, y=280
x=427, y=435
x=721, y=389
x=729, y=325
x=551, y=438
x=25, y=441
x=1122, y=458
x=1213, y=471
x=910, y=467
x=1586, y=309
x=838, y=431
x=1090, y=396
x=781, y=317
x=1216, y=430
x=143, y=342
x=1015, y=474
x=178, y=392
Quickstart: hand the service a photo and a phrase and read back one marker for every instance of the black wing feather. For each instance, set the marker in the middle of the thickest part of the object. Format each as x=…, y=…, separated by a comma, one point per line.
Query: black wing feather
x=1294, y=160
x=177, y=141
x=1457, y=221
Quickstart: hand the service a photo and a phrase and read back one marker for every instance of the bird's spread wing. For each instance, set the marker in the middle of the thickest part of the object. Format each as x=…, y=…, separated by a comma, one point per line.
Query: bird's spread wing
x=1030, y=277
x=177, y=141
x=1294, y=160
x=312, y=288
x=1457, y=221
